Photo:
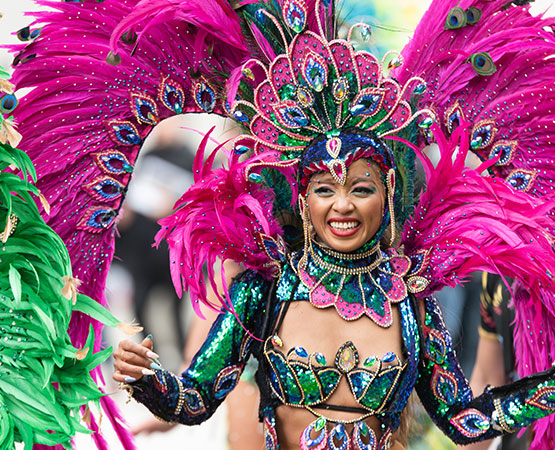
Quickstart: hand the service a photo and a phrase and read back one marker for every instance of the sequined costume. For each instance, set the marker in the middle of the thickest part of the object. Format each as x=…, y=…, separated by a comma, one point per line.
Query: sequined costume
x=476, y=78
x=429, y=366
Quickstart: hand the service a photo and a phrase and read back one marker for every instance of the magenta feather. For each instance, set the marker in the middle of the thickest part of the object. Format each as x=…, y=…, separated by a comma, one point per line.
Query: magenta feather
x=469, y=222
x=517, y=97
x=222, y=216
x=65, y=117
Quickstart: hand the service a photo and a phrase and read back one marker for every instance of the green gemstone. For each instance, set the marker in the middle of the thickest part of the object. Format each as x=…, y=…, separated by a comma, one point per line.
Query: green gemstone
x=320, y=424
x=304, y=97
x=340, y=90
x=394, y=63
x=426, y=123
x=256, y=178
x=370, y=361
x=475, y=143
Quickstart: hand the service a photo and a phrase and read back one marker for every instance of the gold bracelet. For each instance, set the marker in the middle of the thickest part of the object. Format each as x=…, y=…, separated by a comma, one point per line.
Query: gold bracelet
x=129, y=389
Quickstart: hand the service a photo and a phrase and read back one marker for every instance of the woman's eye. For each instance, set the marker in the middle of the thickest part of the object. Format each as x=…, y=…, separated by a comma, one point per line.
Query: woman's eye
x=364, y=190
x=323, y=190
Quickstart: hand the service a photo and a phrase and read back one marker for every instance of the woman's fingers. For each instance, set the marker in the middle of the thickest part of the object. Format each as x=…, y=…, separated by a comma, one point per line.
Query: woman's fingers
x=132, y=360
x=131, y=370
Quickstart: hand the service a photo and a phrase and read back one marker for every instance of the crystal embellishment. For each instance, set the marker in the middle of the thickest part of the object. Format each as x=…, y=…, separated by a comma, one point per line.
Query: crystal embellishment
x=347, y=357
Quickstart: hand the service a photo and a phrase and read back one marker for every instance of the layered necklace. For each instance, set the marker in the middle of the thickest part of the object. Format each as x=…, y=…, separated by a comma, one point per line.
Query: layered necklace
x=364, y=282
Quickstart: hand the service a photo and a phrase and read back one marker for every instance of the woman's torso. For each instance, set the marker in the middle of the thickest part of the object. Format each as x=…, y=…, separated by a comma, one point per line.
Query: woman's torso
x=304, y=330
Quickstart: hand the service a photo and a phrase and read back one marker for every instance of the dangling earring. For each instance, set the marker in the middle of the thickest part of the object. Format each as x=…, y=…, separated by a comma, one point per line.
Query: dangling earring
x=303, y=208
x=390, y=194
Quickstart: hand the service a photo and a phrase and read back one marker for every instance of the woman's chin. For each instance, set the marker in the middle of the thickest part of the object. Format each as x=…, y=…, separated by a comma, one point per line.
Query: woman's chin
x=344, y=244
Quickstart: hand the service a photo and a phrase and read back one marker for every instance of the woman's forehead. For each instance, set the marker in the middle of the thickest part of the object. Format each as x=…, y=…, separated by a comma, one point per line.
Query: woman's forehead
x=360, y=170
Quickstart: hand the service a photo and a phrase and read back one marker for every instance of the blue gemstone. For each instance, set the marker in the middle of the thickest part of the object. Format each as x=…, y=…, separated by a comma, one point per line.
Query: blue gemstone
x=241, y=149
x=240, y=116
x=389, y=357
x=260, y=16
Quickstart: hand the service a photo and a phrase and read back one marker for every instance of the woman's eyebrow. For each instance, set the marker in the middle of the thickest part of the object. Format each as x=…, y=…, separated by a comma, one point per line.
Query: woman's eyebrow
x=363, y=180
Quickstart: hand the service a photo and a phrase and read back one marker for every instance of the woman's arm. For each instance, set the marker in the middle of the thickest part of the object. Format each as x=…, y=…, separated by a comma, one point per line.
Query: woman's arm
x=215, y=370
x=446, y=394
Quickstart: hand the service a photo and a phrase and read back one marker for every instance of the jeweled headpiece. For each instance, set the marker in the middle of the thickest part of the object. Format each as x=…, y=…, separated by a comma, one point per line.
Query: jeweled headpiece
x=320, y=100
x=337, y=152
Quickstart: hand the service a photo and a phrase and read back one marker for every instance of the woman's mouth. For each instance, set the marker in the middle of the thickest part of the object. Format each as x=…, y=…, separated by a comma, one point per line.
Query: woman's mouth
x=343, y=227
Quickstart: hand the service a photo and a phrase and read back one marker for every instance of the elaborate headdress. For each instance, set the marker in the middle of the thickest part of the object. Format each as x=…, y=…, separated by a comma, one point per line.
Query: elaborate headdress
x=278, y=70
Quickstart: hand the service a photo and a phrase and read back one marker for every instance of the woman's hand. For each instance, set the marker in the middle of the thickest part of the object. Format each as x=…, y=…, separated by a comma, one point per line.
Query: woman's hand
x=132, y=360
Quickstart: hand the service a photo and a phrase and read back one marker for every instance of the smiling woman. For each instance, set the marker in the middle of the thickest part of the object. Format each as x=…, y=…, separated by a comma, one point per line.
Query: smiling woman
x=342, y=323
x=346, y=216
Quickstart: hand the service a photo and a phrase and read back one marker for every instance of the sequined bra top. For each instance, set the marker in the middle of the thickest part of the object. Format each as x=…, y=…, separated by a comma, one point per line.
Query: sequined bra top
x=366, y=285
x=300, y=379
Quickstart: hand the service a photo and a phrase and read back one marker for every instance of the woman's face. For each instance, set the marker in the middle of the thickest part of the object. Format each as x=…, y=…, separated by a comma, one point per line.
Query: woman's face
x=346, y=217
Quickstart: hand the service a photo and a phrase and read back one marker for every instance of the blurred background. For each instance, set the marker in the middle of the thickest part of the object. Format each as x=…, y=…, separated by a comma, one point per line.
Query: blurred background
x=139, y=287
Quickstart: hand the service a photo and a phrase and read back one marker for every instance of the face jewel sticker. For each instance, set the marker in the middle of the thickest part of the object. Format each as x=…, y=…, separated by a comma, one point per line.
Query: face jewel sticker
x=172, y=95
x=521, y=180
x=368, y=102
x=97, y=219
x=123, y=132
x=294, y=13
x=289, y=115
x=315, y=71
x=205, y=96
x=104, y=189
x=471, y=423
x=194, y=404
x=144, y=109
x=226, y=380
x=544, y=399
x=112, y=162
x=435, y=346
x=504, y=150
x=482, y=134
x=444, y=386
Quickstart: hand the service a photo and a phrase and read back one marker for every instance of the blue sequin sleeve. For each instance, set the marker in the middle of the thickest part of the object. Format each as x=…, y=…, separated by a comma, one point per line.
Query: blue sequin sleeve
x=447, y=397
x=215, y=370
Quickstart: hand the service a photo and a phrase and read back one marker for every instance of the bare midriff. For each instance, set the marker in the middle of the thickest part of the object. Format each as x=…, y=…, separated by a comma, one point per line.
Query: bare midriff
x=323, y=330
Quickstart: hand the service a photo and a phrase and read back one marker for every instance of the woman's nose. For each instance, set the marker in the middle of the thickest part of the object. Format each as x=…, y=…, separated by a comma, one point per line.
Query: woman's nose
x=343, y=204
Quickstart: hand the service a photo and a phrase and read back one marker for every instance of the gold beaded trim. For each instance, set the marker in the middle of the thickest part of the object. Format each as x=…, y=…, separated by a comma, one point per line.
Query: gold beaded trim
x=350, y=256
x=180, y=400
x=344, y=270
x=501, y=417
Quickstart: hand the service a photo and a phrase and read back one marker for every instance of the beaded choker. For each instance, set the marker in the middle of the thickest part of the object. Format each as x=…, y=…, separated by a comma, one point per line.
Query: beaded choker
x=365, y=282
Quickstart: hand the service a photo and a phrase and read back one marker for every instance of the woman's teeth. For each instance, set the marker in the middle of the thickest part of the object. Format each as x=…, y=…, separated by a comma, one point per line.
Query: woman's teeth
x=344, y=225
